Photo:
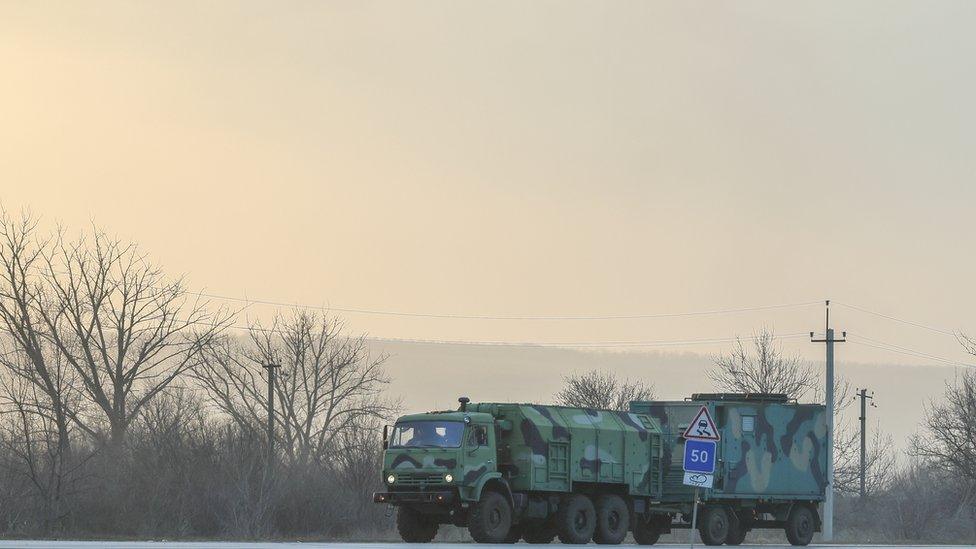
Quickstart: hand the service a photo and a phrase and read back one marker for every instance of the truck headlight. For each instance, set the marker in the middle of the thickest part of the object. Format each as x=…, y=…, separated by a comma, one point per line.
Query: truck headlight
x=449, y=478
x=390, y=479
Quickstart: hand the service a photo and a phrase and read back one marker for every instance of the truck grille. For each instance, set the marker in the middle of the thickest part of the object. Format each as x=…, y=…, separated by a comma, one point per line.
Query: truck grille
x=417, y=479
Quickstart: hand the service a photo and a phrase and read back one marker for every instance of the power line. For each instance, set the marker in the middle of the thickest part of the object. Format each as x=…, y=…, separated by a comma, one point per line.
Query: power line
x=382, y=312
x=896, y=319
x=604, y=344
x=359, y=310
x=913, y=354
x=877, y=344
x=548, y=344
x=581, y=344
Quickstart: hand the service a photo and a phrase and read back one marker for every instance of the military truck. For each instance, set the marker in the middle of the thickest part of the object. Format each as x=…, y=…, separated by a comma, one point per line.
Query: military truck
x=510, y=471
x=770, y=471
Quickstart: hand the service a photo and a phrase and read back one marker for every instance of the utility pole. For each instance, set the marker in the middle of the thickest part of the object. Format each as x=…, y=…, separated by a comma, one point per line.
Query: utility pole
x=271, y=367
x=828, y=518
x=864, y=396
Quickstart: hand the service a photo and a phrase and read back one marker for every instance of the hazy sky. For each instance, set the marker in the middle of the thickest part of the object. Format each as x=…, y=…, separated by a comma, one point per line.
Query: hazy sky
x=518, y=158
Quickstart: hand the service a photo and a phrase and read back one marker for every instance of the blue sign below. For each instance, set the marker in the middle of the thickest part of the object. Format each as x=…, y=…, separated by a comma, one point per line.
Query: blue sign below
x=700, y=456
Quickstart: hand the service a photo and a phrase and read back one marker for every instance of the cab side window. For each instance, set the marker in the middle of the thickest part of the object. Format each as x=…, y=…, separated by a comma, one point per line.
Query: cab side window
x=478, y=437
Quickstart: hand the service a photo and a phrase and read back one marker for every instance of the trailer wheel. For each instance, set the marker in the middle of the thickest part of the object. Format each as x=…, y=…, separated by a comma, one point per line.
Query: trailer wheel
x=575, y=519
x=490, y=519
x=542, y=532
x=714, y=526
x=737, y=534
x=414, y=527
x=612, y=520
x=646, y=533
x=800, y=525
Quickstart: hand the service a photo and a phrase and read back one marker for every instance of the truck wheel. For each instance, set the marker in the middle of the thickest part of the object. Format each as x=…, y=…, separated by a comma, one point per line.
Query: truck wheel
x=575, y=519
x=538, y=533
x=714, y=525
x=414, y=527
x=737, y=534
x=646, y=533
x=612, y=520
x=514, y=534
x=490, y=519
x=800, y=525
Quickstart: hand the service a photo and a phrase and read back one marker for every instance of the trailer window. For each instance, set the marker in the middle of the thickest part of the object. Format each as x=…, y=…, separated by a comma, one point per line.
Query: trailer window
x=427, y=434
x=748, y=424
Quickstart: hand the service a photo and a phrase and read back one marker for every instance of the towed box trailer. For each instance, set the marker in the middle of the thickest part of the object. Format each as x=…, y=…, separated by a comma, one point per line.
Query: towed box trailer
x=510, y=471
x=770, y=468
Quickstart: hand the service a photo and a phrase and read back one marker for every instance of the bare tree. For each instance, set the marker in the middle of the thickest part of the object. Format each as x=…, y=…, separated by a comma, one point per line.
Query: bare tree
x=948, y=437
x=120, y=330
x=879, y=461
x=28, y=353
x=126, y=330
x=360, y=455
x=765, y=370
x=602, y=390
x=915, y=500
x=37, y=386
x=327, y=382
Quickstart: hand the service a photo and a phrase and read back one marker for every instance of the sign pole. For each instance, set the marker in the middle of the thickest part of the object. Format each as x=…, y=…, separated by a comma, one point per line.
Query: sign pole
x=701, y=438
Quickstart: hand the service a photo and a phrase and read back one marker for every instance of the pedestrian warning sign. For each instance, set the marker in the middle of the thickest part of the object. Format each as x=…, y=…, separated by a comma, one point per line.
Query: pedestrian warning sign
x=702, y=427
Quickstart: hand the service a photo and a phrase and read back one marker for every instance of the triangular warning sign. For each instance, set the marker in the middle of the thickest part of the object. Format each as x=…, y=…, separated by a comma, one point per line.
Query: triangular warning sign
x=702, y=427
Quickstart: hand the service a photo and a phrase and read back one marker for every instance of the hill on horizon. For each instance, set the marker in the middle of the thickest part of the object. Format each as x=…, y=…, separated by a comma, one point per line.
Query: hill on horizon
x=430, y=376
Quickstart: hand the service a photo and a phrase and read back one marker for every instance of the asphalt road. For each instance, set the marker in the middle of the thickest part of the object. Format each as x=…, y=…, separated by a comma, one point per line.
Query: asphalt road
x=30, y=544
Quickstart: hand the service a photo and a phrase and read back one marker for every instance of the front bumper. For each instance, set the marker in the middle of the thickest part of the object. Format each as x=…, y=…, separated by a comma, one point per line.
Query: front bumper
x=439, y=497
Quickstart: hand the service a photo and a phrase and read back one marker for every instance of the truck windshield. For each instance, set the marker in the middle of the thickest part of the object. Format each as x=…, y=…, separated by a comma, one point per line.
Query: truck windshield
x=427, y=434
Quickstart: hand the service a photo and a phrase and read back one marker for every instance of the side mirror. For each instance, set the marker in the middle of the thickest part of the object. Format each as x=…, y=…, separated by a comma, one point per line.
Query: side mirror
x=386, y=437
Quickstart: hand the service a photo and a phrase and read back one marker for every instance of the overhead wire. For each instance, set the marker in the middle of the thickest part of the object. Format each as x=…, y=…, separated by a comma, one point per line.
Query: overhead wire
x=868, y=342
x=891, y=347
x=584, y=344
x=461, y=316
x=896, y=319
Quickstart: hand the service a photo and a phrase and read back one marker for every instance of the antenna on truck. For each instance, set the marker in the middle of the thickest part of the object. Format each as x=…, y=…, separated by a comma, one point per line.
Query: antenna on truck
x=464, y=403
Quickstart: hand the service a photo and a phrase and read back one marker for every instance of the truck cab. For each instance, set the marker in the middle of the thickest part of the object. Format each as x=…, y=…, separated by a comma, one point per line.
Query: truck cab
x=436, y=466
x=438, y=457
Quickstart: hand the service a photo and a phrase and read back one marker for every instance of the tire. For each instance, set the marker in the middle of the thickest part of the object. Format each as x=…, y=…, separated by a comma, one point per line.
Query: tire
x=800, y=525
x=612, y=520
x=575, y=519
x=414, y=527
x=737, y=534
x=541, y=532
x=646, y=533
x=714, y=525
x=514, y=534
x=491, y=519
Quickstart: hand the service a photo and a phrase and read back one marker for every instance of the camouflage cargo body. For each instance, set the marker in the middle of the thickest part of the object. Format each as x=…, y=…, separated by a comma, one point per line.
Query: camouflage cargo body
x=551, y=448
x=770, y=449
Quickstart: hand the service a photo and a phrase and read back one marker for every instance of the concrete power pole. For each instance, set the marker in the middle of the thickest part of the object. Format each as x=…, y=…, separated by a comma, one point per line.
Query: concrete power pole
x=828, y=518
x=864, y=396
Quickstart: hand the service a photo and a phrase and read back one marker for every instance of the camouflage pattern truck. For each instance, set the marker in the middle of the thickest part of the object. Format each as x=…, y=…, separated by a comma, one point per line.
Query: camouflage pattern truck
x=770, y=471
x=535, y=472
x=511, y=471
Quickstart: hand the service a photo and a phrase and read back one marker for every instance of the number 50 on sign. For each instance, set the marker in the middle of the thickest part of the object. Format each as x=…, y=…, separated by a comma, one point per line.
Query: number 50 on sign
x=699, y=456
